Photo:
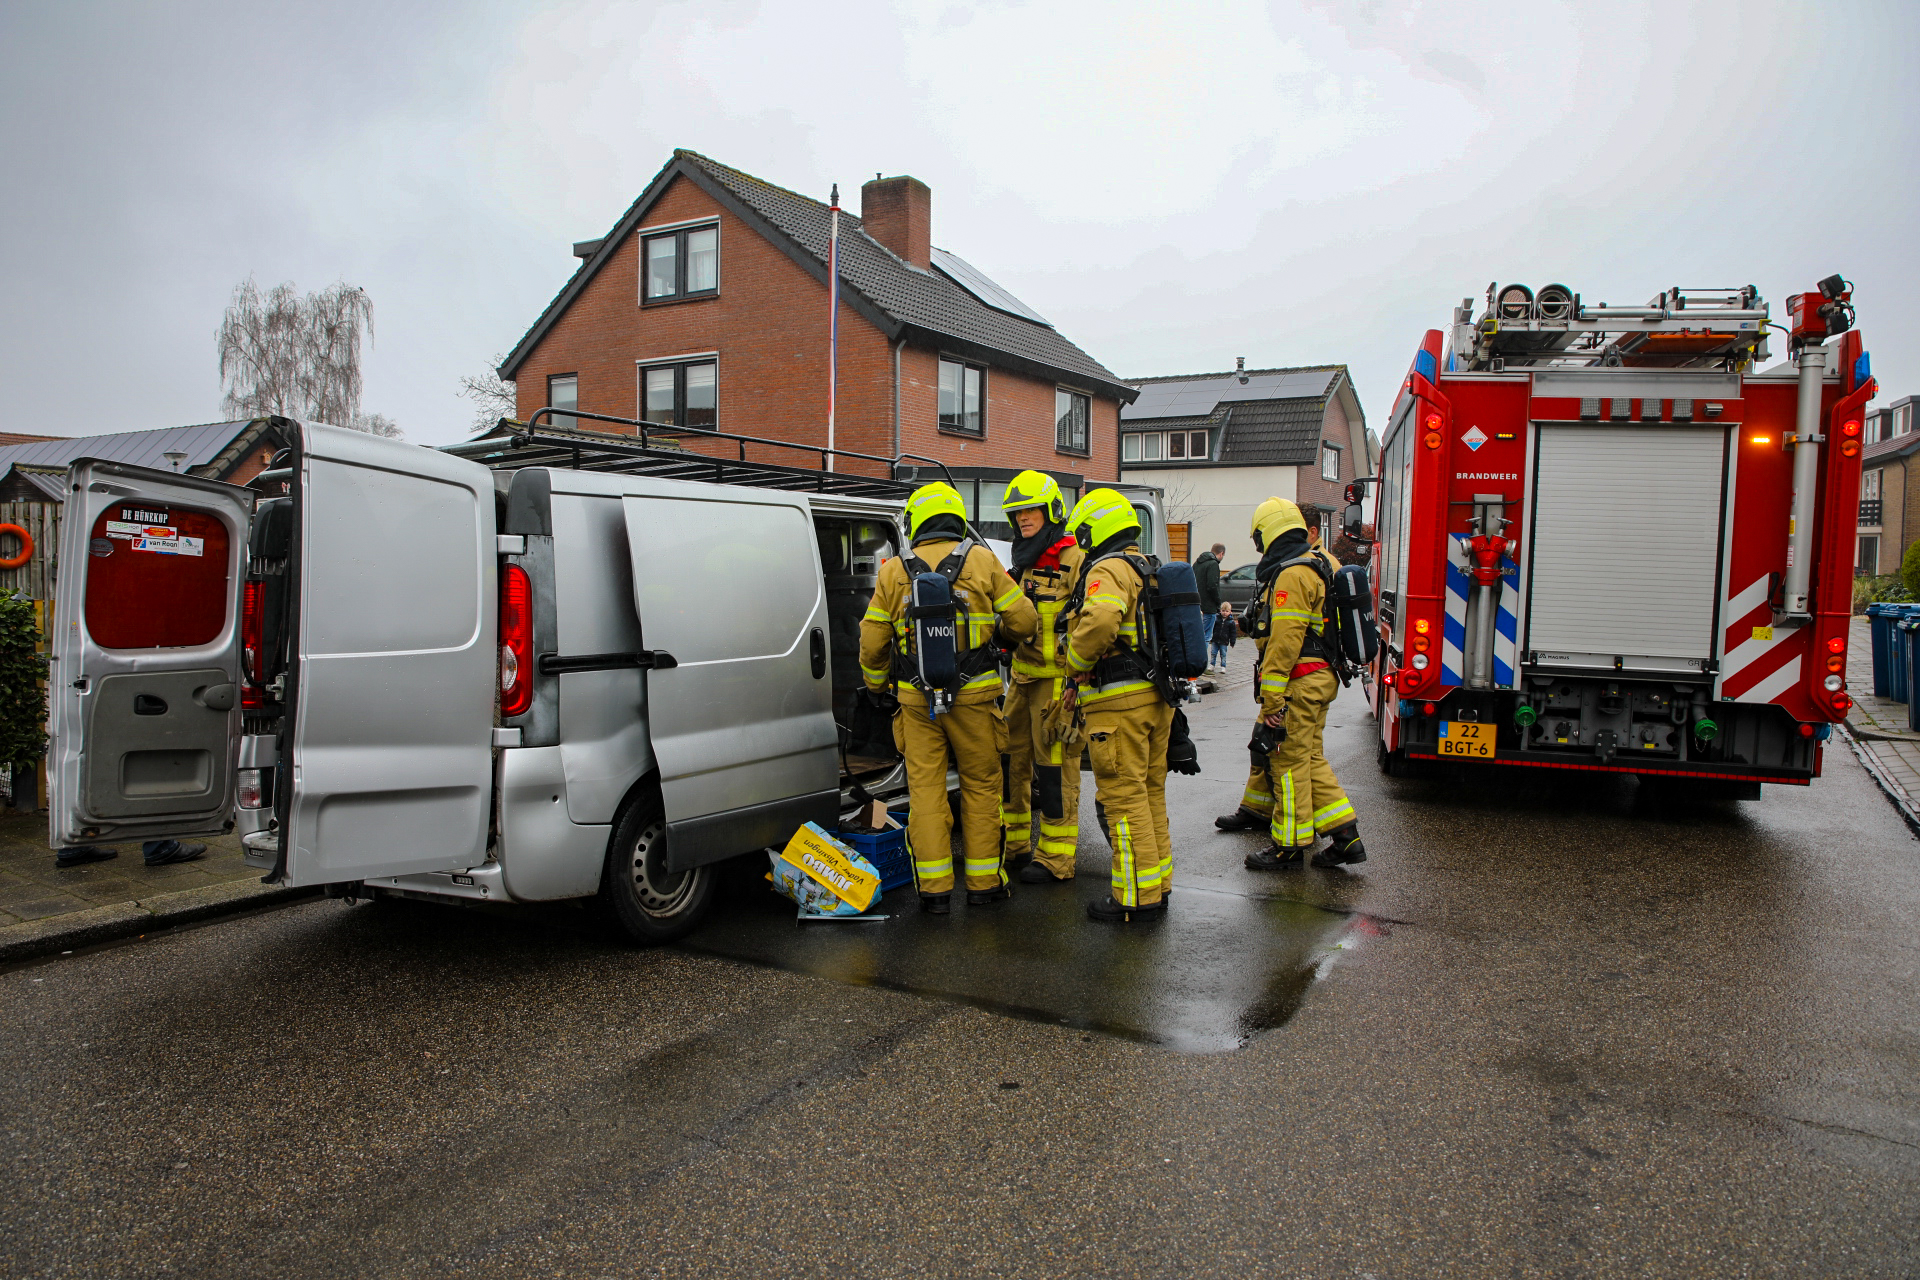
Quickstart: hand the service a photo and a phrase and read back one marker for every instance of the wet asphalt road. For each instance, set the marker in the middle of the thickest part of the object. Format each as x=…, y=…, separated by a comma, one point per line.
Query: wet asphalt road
x=1553, y=1029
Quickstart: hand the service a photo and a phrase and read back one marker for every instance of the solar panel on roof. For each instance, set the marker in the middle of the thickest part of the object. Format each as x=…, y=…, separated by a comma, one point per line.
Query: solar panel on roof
x=1197, y=397
x=969, y=278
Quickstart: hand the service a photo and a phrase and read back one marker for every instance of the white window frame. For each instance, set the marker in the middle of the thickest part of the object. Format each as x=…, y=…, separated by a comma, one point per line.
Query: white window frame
x=565, y=421
x=1162, y=448
x=1873, y=569
x=1870, y=484
x=1130, y=440
x=1902, y=419
x=1328, y=449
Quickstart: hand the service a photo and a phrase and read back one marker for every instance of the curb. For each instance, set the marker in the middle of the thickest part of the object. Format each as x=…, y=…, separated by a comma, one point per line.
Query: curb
x=1871, y=763
x=74, y=929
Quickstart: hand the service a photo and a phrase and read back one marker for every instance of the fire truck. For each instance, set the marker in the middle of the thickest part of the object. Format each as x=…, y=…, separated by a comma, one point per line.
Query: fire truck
x=1607, y=542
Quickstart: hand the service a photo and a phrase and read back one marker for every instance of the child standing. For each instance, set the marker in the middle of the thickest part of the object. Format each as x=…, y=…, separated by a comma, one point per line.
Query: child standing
x=1225, y=630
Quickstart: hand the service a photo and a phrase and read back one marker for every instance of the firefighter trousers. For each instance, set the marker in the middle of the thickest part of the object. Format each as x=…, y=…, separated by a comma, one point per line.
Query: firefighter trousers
x=967, y=733
x=1035, y=764
x=1296, y=788
x=1128, y=748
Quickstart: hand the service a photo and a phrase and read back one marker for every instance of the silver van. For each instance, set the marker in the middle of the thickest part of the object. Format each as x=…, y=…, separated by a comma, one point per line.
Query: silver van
x=565, y=664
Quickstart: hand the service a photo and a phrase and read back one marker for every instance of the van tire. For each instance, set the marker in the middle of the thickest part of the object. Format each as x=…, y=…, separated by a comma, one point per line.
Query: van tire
x=651, y=904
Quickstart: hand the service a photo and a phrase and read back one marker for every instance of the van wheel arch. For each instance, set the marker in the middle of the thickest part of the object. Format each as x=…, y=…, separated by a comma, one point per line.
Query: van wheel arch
x=650, y=904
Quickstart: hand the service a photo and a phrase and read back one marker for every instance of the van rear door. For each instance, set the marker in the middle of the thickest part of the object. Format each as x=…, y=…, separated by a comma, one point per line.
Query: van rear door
x=394, y=664
x=143, y=691
x=728, y=586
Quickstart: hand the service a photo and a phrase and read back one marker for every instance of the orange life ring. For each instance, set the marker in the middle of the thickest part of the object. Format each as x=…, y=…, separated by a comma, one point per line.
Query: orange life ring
x=26, y=546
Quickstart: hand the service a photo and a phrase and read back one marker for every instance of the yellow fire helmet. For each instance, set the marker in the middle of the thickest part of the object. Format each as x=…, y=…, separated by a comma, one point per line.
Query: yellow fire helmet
x=1272, y=518
x=1035, y=489
x=1102, y=514
x=930, y=500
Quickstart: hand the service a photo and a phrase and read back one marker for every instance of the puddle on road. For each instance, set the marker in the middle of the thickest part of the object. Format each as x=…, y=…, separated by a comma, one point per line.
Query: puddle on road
x=1221, y=968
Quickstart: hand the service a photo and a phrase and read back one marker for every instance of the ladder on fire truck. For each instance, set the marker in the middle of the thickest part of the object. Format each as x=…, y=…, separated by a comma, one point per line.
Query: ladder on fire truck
x=1556, y=328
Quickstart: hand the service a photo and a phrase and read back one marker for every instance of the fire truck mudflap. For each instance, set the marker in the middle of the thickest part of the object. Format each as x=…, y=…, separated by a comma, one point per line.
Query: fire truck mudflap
x=1606, y=544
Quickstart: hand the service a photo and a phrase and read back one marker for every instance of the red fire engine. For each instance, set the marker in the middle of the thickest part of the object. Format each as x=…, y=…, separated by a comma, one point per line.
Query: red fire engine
x=1605, y=543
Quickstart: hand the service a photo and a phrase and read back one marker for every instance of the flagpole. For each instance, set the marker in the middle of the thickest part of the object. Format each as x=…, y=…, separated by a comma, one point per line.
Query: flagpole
x=833, y=319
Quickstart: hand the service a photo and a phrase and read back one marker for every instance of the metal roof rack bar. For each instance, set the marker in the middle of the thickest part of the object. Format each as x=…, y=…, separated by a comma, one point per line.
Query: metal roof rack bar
x=638, y=454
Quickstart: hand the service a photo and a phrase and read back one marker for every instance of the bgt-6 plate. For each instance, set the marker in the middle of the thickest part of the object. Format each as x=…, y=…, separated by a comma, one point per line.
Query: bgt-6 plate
x=1474, y=741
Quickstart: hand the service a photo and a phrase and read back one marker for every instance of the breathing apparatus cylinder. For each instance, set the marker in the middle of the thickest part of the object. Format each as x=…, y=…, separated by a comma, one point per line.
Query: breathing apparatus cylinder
x=935, y=642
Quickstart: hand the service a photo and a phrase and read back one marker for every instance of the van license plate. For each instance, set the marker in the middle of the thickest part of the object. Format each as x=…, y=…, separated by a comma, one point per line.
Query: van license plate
x=1458, y=738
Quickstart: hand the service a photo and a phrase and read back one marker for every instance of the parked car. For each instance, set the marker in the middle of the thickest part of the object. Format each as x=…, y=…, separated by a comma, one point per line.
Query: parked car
x=1237, y=587
x=553, y=668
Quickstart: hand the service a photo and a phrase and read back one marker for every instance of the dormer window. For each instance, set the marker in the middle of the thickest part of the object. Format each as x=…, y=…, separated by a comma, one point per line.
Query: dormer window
x=680, y=264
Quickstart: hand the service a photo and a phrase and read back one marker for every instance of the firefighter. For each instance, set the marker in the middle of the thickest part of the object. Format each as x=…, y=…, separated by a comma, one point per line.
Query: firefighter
x=1127, y=720
x=985, y=601
x=1293, y=792
x=1046, y=564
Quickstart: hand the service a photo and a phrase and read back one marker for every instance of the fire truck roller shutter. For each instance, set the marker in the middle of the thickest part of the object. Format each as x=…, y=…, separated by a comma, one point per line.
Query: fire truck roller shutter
x=1626, y=546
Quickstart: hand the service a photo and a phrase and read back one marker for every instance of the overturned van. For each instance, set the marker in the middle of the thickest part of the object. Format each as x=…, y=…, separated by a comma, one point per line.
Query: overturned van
x=566, y=664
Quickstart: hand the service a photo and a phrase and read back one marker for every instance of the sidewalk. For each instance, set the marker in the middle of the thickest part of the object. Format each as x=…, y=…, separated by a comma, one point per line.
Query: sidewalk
x=1879, y=727
x=43, y=908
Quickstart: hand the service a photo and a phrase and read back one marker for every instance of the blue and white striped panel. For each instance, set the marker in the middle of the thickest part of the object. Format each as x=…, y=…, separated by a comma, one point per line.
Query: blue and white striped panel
x=1506, y=622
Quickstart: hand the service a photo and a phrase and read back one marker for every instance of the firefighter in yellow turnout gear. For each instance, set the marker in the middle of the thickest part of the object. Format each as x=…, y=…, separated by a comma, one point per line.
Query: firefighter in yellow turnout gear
x=1046, y=564
x=1128, y=722
x=985, y=598
x=1293, y=792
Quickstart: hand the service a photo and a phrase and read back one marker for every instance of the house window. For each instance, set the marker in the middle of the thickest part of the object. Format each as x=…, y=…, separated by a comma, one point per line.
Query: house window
x=1870, y=483
x=963, y=399
x=680, y=264
x=1903, y=419
x=1329, y=461
x=563, y=392
x=1866, y=561
x=680, y=395
x=1070, y=414
x=1172, y=446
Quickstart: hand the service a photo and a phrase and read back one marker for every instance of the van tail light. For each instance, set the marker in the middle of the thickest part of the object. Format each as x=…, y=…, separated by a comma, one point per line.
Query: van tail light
x=516, y=641
x=253, y=662
x=255, y=788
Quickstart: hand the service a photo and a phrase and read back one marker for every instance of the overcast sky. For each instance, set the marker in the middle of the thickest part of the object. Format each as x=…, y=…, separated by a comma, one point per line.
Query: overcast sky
x=1171, y=185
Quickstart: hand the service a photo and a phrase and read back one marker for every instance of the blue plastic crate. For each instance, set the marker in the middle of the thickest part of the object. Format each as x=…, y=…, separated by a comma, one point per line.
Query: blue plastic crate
x=886, y=850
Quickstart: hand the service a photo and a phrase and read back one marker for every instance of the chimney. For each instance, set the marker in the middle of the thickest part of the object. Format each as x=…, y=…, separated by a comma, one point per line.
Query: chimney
x=898, y=212
x=1240, y=369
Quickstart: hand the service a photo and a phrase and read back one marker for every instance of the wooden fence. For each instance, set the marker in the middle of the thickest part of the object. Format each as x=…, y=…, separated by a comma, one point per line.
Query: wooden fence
x=41, y=520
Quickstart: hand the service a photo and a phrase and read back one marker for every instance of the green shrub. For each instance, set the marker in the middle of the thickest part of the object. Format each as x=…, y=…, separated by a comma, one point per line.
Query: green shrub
x=1910, y=571
x=1883, y=589
x=23, y=696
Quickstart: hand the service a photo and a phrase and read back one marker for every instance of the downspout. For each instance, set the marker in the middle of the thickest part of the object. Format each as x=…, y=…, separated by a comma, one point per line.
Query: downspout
x=898, y=343
x=1806, y=462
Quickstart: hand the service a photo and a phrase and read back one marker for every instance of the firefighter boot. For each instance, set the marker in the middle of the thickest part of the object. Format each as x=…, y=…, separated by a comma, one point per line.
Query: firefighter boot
x=1037, y=873
x=936, y=904
x=1242, y=820
x=1346, y=847
x=1107, y=911
x=981, y=897
x=1274, y=858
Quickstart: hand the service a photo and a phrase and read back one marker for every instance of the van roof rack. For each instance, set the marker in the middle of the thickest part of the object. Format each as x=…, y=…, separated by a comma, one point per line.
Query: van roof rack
x=653, y=449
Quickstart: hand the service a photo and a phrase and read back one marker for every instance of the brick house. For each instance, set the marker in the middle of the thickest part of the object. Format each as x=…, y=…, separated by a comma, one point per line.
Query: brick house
x=1219, y=444
x=705, y=306
x=1889, y=489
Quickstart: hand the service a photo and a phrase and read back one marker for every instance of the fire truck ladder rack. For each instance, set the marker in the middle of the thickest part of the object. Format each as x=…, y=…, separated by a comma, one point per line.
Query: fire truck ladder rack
x=1679, y=329
x=657, y=450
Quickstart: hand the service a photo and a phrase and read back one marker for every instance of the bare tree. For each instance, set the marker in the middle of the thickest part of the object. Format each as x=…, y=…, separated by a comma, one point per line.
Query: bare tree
x=1179, y=504
x=281, y=353
x=493, y=397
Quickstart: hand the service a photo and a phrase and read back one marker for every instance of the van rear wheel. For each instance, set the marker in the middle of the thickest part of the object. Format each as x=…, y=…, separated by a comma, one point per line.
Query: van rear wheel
x=652, y=904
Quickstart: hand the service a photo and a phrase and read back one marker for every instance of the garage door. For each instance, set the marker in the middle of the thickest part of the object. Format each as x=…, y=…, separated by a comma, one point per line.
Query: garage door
x=1626, y=546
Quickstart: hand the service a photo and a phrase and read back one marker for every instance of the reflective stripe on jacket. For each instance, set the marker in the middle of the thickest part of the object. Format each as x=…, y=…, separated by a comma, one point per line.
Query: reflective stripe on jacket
x=1048, y=587
x=1293, y=603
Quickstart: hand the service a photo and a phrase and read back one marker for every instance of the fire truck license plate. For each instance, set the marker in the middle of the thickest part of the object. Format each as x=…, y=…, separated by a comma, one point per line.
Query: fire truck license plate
x=1460, y=739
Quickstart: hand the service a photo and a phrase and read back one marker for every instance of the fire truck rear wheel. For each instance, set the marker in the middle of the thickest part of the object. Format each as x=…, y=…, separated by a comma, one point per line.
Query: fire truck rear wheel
x=653, y=905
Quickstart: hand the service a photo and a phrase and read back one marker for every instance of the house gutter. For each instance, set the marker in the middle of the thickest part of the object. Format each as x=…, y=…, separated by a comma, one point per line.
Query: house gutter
x=898, y=343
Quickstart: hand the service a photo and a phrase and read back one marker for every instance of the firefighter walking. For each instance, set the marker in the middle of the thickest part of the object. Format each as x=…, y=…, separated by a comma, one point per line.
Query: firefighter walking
x=959, y=720
x=1046, y=564
x=1292, y=789
x=1128, y=722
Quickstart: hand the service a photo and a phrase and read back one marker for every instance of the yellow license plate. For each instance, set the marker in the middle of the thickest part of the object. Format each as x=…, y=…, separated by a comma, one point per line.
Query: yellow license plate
x=1458, y=738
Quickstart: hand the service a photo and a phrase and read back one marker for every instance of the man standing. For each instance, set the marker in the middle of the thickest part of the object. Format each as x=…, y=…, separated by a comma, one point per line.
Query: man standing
x=956, y=720
x=1293, y=792
x=1046, y=564
x=1206, y=572
x=1128, y=721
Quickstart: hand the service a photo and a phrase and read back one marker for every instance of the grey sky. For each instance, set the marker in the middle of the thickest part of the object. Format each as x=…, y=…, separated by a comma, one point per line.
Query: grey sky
x=1172, y=185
